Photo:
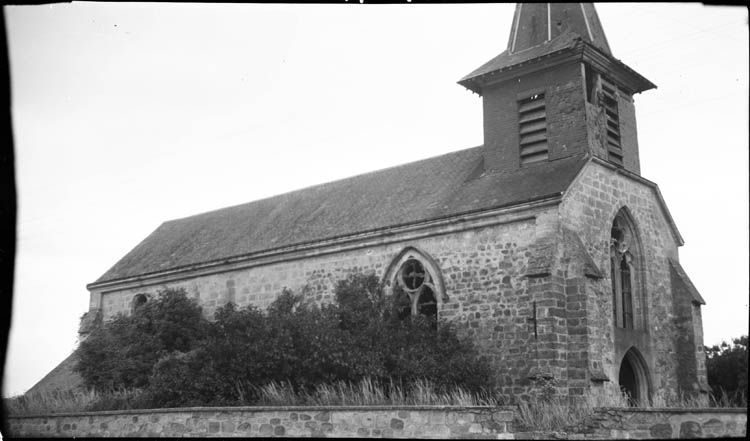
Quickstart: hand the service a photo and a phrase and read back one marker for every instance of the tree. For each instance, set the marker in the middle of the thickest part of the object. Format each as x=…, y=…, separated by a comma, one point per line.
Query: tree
x=122, y=352
x=726, y=367
x=166, y=347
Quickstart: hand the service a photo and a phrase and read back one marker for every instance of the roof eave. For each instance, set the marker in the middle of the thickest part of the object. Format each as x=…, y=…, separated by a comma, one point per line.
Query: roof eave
x=628, y=78
x=478, y=82
x=112, y=283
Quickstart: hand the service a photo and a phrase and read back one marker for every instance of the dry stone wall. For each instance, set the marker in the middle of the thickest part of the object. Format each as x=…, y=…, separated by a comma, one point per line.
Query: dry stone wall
x=379, y=422
x=372, y=422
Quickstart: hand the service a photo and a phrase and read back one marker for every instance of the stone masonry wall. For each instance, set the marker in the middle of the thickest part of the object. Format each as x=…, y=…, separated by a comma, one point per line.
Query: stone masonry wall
x=378, y=422
x=614, y=423
x=483, y=269
x=589, y=208
x=360, y=422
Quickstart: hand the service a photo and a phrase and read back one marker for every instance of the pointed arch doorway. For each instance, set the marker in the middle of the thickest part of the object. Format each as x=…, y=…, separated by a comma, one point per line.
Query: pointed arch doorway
x=633, y=378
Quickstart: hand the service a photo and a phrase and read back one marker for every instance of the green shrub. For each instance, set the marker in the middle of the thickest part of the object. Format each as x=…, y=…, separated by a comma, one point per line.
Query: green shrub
x=167, y=349
x=726, y=367
x=122, y=352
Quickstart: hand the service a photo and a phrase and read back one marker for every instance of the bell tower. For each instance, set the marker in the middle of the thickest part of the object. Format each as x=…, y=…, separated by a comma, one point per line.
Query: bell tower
x=557, y=91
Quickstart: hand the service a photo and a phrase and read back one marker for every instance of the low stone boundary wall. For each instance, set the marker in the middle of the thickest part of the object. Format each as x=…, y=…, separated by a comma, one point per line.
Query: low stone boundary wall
x=655, y=423
x=362, y=422
x=378, y=422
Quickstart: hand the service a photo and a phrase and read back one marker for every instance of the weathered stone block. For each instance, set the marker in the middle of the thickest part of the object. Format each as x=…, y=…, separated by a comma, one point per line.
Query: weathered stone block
x=265, y=429
x=690, y=429
x=322, y=416
x=662, y=430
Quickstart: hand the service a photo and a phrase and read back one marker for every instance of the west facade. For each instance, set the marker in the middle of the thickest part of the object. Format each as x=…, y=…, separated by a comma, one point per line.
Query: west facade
x=544, y=245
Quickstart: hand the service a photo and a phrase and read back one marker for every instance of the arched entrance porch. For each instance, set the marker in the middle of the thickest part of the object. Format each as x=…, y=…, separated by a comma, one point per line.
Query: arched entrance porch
x=633, y=378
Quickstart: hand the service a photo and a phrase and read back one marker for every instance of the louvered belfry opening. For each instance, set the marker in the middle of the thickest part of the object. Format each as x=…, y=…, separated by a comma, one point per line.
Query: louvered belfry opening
x=532, y=118
x=609, y=103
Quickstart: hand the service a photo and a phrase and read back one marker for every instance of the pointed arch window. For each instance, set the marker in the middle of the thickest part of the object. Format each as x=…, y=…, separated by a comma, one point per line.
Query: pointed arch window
x=624, y=272
x=416, y=279
x=417, y=284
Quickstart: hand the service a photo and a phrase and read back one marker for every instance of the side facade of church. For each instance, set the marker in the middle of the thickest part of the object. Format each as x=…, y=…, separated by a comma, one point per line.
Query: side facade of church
x=544, y=245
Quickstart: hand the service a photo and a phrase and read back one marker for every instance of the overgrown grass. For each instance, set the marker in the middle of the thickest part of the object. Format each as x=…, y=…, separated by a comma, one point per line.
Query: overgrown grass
x=71, y=401
x=370, y=393
x=541, y=412
x=546, y=412
x=366, y=392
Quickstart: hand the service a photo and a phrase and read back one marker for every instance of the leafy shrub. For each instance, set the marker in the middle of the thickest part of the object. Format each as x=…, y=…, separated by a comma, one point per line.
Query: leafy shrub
x=179, y=359
x=726, y=367
x=122, y=352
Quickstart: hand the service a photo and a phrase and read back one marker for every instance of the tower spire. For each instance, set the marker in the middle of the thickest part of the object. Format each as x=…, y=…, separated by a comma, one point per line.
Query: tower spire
x=557, y=91
x=536, y=23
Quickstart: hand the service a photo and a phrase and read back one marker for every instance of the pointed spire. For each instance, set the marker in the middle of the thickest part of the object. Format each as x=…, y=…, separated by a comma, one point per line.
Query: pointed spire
x=536, y=23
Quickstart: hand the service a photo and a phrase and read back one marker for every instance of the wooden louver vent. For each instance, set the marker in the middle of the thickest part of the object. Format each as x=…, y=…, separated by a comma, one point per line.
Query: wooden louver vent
x=532, y=118
x=609, y=103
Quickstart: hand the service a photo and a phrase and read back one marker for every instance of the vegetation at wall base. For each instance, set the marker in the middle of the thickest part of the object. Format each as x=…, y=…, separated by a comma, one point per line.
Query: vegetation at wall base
x=167, y=349
x=726, y=369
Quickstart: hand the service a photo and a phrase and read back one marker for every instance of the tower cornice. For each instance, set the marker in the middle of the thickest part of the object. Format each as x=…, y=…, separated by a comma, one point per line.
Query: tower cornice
x=576, y=50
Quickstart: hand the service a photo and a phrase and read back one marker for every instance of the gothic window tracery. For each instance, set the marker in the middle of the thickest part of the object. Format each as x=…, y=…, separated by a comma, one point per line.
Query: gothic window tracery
x=623, y=256
x=416, y=282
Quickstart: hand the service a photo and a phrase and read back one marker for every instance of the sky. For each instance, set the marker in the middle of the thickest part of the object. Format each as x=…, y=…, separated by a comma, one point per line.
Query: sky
x=126, y=115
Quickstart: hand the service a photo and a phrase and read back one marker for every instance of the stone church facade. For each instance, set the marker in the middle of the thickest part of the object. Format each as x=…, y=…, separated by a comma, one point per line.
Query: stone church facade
x=544, y=245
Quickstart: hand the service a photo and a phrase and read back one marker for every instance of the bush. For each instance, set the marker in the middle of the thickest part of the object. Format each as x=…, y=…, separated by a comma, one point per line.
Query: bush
x=726, y=368
x=180, y=359
x=121, y=353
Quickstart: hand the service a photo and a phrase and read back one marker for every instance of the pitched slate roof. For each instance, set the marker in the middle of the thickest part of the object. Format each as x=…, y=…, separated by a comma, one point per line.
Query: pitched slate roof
x=565, y=41
x=424, y=190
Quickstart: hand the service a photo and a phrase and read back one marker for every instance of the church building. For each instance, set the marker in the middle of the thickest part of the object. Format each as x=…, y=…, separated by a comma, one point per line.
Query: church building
x=544, y=245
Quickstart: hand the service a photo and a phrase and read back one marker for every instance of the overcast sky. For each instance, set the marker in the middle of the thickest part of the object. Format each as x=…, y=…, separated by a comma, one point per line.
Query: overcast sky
x=127, y=115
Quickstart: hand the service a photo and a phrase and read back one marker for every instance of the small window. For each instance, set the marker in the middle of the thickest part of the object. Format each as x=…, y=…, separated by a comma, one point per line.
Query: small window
x=139, y=300
x=608, y=100
x=532, y=125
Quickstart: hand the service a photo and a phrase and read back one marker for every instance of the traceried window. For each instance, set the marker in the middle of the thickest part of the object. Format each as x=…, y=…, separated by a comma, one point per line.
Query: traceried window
x=415, y=281
x=417, y=287
x=624, y=272
x=417, y=284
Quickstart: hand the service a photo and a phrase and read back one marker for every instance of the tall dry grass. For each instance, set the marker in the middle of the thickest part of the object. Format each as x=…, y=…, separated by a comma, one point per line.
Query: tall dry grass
x=543, y=412
x=71, y=401
x=368, y=392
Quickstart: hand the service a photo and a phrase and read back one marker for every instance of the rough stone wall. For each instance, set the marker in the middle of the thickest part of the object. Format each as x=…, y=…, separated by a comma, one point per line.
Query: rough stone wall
x=488, y=295
x=379, y=422
x=589, y=208
x=687, y=367
x=360, y=422
x=565, y=110
x=613, y=423
x=700, y=353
